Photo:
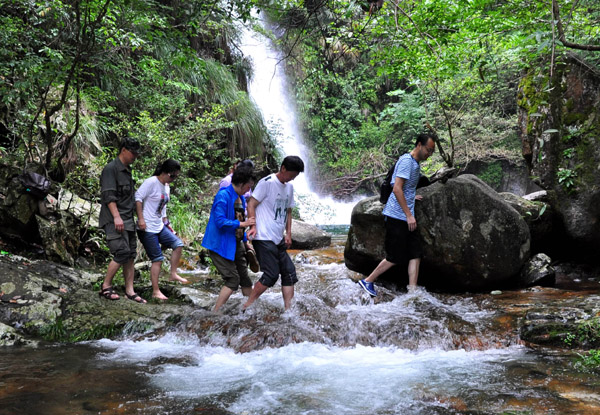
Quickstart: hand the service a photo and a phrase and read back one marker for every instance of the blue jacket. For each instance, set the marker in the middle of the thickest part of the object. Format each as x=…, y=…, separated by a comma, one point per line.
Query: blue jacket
x=219, y=236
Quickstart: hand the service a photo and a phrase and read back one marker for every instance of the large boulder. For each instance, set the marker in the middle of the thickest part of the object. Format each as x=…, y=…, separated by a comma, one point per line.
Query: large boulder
x=307, y=236
x=472, y=239
x=365, y=245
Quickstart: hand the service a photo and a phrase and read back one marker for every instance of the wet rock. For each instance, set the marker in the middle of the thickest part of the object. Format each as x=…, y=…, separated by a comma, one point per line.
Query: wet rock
x=196, y=297
x=472, y=239
x=365, y=243
x=570, y=322
x=44, y=299
x=307, y=236
x=11, y=337
x=538, y=271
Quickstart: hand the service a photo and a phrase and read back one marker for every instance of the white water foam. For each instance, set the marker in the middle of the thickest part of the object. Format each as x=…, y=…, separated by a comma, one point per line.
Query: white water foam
x=310, y=378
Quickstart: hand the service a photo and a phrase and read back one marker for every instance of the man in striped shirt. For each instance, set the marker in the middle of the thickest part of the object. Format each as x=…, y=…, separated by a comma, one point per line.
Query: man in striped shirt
x=401, y=241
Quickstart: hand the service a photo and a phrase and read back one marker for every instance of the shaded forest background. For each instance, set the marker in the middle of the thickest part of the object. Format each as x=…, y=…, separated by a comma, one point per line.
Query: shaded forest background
x=76, y=76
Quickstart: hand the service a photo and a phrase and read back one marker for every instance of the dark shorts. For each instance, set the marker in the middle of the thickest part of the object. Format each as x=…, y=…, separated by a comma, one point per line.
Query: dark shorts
x=401, y=245
x=122, y=245
x=154, y=241
x=235, y=273
x=274, y=261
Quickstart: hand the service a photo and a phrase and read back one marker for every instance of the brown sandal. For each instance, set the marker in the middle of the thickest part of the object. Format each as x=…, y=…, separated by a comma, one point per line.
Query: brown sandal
x=108, y=293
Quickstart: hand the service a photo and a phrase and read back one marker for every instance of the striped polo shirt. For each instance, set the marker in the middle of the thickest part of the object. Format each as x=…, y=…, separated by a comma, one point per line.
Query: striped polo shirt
x=406, y=168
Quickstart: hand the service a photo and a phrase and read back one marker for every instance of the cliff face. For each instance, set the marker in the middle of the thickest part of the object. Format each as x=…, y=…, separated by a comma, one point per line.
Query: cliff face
x=559, y=119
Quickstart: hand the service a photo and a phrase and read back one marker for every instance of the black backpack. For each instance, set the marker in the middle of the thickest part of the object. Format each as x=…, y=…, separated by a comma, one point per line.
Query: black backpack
x=35, y=184
x=385, y=190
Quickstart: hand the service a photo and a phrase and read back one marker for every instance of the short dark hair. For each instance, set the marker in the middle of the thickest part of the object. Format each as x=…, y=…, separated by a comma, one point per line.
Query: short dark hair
x=246, y=162
x=293, y=163
x=423, y=138
x=130, y=144
x=167, y=166
x=242, y=175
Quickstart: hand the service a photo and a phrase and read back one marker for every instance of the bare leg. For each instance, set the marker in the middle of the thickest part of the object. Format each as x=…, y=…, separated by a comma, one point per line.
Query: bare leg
x=288, y=293
x=113, y=267
x=154, y=272
x=246, y=291
x=257, y=291
x=413, y=271
x=128, y=273
x=383, y=266
x=223, y=297
x=175, y=257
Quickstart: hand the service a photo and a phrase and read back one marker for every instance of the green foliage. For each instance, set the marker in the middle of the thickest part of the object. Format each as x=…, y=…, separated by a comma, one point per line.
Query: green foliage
x=567, y=177
x=189, y=219
x=587, y=333
x=492, y=175
x=588, y=361
x=78, y=76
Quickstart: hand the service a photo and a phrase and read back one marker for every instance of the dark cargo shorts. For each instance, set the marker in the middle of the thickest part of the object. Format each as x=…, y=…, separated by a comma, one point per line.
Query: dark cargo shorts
x=122, y=245
x=274, y=261
x=235, y=273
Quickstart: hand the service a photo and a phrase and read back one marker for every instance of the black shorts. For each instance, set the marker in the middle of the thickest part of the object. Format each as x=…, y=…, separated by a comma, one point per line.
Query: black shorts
x=401, y=245
x=274, y=261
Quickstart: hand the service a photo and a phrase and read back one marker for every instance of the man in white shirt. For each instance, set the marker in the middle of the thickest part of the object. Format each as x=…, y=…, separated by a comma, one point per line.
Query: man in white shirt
x=271, y=205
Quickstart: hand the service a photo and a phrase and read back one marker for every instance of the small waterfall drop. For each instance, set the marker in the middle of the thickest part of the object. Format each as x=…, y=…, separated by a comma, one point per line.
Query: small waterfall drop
x=271, y=91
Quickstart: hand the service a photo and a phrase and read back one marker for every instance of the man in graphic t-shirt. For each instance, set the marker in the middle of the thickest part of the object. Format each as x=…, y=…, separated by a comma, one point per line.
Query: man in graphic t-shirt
x=401, y=242
x=271, y=205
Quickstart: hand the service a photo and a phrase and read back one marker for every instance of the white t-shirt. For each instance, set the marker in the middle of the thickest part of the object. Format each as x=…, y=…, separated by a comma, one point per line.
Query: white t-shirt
x=155, y=196
x=274, y=198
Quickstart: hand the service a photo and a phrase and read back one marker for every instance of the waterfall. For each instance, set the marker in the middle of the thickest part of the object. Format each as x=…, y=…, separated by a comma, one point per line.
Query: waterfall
x=270, y=90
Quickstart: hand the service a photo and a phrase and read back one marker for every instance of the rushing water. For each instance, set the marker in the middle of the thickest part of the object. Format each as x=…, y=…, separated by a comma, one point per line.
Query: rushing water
x=335, y=352
x=270, y=89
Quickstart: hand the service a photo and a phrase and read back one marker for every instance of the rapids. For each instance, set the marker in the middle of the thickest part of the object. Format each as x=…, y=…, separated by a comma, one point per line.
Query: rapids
x=335, y=352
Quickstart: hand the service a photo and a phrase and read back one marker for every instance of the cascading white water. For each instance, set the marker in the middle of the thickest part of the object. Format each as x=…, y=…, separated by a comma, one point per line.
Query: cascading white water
x=270, y=90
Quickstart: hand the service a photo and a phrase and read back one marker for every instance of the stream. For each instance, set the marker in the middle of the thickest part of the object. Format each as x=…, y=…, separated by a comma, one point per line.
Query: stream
x=335, y=352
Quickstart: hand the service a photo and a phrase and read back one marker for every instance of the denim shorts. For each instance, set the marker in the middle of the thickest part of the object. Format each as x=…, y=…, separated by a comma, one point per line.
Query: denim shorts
x=274, y=261
x=153, y=241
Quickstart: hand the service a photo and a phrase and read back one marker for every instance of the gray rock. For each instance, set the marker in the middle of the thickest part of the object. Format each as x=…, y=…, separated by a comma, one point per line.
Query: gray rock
x=472, y=239
x=538, y=271
x=11, y=337
x=307, y=236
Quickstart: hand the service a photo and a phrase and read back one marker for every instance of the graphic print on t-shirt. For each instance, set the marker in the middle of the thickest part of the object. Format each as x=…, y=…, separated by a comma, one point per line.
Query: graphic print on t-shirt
x=164, y=199
x=280, y=208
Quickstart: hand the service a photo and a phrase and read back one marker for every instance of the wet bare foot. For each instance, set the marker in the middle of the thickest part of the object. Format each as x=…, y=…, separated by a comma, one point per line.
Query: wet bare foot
x=177, y=278
x=159, y=296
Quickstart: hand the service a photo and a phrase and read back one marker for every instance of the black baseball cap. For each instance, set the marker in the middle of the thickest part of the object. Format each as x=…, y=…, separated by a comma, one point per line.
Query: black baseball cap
x=132, y=145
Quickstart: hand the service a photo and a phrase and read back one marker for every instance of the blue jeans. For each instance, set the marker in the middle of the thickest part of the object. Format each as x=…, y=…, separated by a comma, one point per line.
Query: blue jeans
x=153, y=241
